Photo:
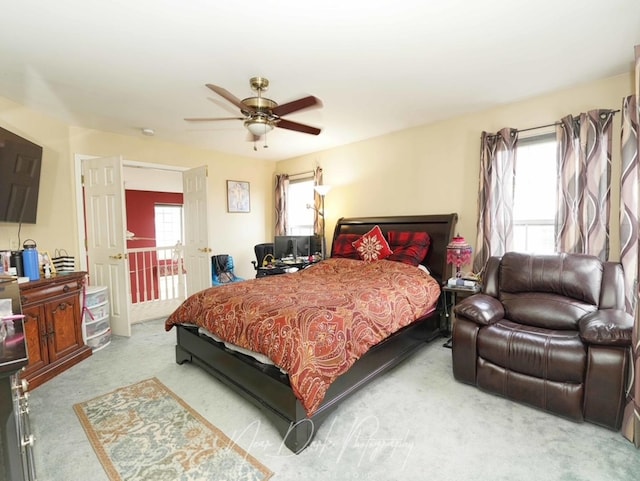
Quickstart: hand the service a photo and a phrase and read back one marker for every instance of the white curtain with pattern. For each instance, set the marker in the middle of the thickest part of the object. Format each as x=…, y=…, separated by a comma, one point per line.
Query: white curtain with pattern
x=495, y=195
x=584, y=183
x=629, y=258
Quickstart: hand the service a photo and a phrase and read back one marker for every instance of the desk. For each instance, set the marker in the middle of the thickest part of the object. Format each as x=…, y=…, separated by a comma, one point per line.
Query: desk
x=282, y=268
x=451, y=296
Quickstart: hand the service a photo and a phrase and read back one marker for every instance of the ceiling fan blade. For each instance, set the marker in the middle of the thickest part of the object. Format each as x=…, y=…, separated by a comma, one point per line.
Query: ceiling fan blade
x=206, y=119
x=288, y=124
x=224, y=93
x=223, y=104
x=295, y=105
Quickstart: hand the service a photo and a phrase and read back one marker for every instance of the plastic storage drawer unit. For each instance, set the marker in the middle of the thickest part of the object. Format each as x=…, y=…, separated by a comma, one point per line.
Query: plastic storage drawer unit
x=96, y=312
x=96, y=317
x=95, y=295
x=96, y=327
x=99, y=341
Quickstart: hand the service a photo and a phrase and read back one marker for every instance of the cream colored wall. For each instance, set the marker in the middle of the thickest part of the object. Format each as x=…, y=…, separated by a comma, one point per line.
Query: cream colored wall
x=229, y=233
x=424, y=170
x=434, y=168
x=56, y=226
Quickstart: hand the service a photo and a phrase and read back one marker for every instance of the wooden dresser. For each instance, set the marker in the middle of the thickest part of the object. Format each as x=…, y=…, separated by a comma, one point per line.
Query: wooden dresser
x=53, y=325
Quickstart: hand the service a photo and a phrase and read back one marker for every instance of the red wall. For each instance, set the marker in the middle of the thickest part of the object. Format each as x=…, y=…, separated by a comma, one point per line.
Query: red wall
x=140, y=205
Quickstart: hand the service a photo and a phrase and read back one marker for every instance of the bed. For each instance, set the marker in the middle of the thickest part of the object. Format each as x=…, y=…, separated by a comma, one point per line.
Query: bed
x=299, y=398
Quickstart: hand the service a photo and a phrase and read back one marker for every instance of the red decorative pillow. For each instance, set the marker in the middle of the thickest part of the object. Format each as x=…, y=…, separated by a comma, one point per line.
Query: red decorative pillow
x=343, y=246
x=372, y=246
x=408, y=247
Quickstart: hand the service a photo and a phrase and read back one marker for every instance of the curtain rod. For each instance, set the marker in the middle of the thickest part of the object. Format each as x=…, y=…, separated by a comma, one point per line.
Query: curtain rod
x=550, y=125
x=300, y=174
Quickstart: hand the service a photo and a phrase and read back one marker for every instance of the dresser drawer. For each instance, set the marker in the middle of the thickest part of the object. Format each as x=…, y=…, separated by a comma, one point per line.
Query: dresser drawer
x=41, y=292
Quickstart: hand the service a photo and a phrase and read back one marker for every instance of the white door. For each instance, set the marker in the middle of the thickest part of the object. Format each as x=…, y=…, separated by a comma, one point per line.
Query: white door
x=197, y=252
x=106, y=236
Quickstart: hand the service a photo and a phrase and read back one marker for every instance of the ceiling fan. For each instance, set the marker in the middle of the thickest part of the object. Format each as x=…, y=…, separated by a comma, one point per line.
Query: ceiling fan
x=260, y=114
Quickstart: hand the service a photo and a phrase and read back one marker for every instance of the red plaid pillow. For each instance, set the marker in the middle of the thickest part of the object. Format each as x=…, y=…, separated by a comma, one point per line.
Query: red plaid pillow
x=372, y=246
x=343, y=246
x=408, y=247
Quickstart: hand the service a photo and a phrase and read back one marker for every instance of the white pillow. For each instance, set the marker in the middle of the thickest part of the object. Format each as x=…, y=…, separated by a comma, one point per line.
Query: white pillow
x=423, y=268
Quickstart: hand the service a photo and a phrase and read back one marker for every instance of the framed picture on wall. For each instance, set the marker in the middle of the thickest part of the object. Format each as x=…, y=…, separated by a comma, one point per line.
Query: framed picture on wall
x=238, y=198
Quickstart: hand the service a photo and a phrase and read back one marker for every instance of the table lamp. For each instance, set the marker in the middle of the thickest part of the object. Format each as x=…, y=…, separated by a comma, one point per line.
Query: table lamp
x=458, y=253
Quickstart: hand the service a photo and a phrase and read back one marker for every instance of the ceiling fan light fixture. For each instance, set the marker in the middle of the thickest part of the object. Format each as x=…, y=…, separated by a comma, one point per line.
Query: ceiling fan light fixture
x=258, y=126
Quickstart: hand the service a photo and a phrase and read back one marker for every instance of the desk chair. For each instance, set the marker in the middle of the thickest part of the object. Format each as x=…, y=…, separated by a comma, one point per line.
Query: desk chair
x=222, y=270
x=261, y=250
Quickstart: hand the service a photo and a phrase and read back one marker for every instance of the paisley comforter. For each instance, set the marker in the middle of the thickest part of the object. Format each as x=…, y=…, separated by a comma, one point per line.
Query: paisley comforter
x=315, y=323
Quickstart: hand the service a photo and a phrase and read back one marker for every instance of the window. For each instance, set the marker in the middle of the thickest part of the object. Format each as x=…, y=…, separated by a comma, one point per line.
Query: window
x=299, y=218
x=168, y=221
x=535, y=198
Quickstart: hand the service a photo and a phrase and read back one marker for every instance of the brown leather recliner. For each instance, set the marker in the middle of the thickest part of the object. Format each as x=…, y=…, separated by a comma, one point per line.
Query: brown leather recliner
x=549, y=331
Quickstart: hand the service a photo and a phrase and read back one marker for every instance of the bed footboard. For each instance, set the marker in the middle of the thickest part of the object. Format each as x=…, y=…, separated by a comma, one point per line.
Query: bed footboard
x=182, y=355
x=265, y=386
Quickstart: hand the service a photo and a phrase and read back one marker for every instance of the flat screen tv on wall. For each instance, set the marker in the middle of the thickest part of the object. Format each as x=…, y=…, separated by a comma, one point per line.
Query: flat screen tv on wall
x=20, y=164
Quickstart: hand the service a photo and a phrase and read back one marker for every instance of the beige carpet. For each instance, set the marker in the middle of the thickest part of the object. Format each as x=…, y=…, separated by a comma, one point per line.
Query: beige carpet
x=144, y=432
x=416, y=423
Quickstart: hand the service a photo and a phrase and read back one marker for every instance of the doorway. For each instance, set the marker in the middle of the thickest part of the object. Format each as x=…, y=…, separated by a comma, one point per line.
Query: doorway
x=112, y=249
x=154, y=248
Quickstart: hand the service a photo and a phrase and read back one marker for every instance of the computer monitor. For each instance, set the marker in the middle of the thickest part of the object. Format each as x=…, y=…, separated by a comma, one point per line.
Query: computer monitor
x=292, y=246
x=316, y=245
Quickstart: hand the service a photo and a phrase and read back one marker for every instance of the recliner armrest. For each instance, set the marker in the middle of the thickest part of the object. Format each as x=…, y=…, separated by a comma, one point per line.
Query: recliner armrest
x=610, y=327
x=481, y=309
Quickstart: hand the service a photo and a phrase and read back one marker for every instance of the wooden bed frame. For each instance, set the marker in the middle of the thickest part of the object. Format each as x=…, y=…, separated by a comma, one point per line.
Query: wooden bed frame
x=268, y=388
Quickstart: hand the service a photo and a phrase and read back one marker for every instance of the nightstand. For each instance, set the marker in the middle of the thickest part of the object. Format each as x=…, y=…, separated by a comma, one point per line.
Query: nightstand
x=451, y=296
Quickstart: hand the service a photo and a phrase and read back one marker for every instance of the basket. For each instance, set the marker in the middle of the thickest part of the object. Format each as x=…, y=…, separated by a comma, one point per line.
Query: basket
x=63, y=262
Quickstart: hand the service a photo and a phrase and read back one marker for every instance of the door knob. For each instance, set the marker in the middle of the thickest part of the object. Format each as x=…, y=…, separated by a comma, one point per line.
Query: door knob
x=117, y=257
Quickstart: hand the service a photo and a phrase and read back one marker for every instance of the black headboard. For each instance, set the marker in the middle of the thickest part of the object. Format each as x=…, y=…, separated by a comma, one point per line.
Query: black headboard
x=439, y=227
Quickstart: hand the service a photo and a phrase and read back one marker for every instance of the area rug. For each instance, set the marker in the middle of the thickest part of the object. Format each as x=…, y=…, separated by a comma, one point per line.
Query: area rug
x=145, y=432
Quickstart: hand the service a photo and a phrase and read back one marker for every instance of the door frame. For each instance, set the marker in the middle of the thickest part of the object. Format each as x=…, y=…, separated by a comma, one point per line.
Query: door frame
x=78, y=158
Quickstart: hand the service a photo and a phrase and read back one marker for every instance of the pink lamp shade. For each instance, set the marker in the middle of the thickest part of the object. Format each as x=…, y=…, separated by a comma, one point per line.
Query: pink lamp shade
x=458, y=253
